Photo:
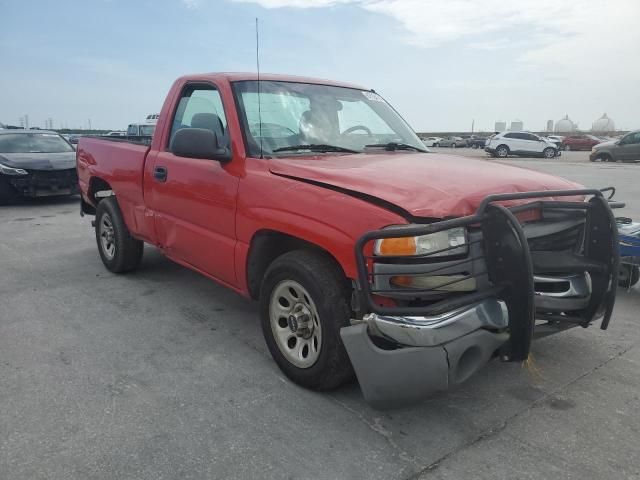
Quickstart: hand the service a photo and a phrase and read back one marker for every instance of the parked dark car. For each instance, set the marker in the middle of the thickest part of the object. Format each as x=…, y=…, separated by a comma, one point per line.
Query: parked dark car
x=34, y=164
x=579, y=142
x=476, y=142
x=626, y=149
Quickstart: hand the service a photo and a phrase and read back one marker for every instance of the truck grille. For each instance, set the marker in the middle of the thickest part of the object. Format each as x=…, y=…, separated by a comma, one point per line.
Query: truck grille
x=563, y=241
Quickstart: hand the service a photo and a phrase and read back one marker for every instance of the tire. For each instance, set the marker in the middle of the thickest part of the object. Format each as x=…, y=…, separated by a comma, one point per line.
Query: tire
x=502, y=151
x=8, y=194
x=436, y=144
x=323, y=293
x=453, y=145
x=119, y=251
x=549, y=152
x=628, y=275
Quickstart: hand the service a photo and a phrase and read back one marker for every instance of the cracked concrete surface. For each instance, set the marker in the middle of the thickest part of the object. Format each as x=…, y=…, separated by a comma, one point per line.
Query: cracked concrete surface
x=162, y=374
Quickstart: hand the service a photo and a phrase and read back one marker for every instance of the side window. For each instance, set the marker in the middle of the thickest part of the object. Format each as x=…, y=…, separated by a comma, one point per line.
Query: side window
x=200, y=107
x=531, y=137
x=132, y=130
x=511, y=135
x=635, y=138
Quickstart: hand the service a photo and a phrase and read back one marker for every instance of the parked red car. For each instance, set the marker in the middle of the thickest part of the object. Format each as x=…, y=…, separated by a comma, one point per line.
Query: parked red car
x=368, y=255
x=580, y=142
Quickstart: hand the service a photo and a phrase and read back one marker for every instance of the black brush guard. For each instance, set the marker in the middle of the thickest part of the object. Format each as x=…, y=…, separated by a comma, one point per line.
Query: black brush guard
x=509, y=265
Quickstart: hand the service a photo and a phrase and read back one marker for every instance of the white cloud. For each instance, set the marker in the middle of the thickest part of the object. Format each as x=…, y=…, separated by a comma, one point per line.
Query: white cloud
x=431, y=23
x=191, y=4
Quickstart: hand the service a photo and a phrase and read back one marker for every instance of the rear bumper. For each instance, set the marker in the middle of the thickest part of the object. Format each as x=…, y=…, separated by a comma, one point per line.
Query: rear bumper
x=407, y=350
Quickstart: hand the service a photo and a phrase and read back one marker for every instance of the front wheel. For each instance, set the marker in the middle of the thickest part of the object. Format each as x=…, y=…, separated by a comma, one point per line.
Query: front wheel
x=119, y=251
x=502, y=151
x=549, y=152
x=303, y=305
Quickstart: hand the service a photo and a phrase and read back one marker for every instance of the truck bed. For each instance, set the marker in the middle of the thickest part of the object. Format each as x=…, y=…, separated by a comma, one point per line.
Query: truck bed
x=119, y=164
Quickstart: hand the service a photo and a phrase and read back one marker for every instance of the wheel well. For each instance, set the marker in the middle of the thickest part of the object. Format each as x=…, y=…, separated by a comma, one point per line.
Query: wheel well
x=97, y=184
x=266, y=246
x=505, y=146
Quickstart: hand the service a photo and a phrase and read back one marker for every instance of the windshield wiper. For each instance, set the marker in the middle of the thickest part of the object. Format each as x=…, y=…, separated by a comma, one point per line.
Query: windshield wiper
x=315, y=147
x=391, y=146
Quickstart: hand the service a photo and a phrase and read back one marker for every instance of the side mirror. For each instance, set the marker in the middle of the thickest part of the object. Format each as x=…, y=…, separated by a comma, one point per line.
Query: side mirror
x=198, y=143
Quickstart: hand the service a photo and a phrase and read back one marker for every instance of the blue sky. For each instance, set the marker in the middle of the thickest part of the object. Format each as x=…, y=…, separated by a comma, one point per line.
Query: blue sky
x=442, y=64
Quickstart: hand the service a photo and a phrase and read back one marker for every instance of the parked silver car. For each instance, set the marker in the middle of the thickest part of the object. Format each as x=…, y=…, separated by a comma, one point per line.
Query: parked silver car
x=453, y=142
x=626, y=149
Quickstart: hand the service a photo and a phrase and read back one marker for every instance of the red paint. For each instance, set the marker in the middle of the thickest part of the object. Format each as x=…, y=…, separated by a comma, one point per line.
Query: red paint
x=207, y=213
x=580, y=142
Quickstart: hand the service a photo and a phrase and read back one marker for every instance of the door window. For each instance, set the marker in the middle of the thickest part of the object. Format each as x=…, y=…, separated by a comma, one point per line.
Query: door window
x=201, y=107
x=633, y=138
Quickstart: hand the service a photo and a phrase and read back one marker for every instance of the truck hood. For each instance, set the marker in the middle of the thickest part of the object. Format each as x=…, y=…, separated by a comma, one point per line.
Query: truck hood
x=39, y=161
x=424, y=185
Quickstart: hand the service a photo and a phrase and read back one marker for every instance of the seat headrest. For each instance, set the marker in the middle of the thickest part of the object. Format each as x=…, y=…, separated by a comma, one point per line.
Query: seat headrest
x=209, y=121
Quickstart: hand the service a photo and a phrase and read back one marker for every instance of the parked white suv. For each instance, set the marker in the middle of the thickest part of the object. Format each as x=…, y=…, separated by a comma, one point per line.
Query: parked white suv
x=522, y=144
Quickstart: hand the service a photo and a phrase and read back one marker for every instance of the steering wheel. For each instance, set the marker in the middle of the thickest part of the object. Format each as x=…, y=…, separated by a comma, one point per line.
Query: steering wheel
x=355, y=128
x=273, y=126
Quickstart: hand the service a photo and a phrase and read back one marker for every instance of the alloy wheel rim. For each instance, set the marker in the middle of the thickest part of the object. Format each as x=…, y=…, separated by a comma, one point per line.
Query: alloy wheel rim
x=295, y=323
x=107, y=237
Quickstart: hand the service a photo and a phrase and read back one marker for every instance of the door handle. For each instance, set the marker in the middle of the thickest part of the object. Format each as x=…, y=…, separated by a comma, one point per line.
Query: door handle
x=160, y=174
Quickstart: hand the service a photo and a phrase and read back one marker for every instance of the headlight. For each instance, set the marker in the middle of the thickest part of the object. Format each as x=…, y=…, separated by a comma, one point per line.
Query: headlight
x=12, y=171
x=440, y=244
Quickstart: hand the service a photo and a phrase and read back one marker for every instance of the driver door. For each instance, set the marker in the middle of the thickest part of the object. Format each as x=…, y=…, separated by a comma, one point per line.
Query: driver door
x=629, y=148
x=193, y=199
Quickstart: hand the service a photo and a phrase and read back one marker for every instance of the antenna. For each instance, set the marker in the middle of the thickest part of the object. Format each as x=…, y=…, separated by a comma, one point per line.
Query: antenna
x=258, y=69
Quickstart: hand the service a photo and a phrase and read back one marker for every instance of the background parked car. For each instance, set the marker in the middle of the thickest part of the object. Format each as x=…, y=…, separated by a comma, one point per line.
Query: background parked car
x=522, y=144
x=477, y=142
x=453, y=142
x=580, y=142
x=557, y=139
x=627, y=149
x=35, y=163
x=140, y=130
x=431, y=141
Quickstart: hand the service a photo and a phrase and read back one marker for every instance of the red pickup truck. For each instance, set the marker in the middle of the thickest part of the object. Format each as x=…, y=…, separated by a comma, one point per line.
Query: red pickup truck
x=368, y=254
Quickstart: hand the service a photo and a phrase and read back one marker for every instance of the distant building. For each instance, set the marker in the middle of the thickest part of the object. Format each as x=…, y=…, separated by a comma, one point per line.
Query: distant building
x=516, y=126
x=565, y=125
x=603, y=125
x=549, y=125
x=500, y=127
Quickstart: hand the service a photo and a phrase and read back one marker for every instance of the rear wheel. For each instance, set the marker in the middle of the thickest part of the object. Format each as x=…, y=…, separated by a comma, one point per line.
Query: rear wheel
x=304, y=302
x=119, y=251
x=502, y=151
x=628, y=275
x=453, y=145
x=549, y=152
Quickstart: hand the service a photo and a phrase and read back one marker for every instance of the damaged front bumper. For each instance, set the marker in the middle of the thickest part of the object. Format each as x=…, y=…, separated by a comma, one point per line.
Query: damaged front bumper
x=526, y=284
x=45, y=183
